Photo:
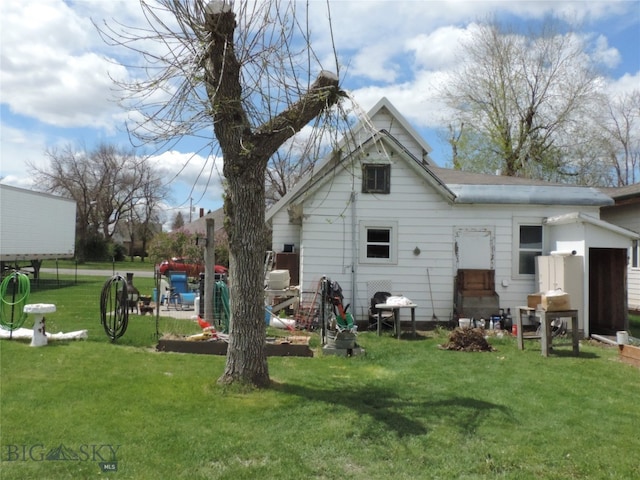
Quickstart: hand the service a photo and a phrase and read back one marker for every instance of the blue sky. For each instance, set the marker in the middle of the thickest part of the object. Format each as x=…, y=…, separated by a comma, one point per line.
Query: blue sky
x=55, y=88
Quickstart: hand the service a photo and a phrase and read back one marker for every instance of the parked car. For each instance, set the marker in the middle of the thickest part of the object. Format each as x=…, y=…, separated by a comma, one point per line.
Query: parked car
x=192, y=269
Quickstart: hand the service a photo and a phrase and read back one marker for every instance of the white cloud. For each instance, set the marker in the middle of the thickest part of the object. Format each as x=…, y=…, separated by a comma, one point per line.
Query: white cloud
x=438, y=49
x=604, y=54
x=625, y=84
x=191, y=175
x=48, y=73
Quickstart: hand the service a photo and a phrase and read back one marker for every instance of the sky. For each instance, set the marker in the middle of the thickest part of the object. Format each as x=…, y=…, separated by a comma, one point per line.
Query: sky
x=56, y=88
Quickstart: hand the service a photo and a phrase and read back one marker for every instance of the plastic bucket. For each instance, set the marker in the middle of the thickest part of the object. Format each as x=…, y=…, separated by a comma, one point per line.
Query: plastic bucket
x=464, y=322
x=622, y=338
x=267, y=314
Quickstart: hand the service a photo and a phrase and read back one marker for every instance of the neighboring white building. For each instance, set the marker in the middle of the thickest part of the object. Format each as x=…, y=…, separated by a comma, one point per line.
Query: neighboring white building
x=626, y=213
x=379, y=215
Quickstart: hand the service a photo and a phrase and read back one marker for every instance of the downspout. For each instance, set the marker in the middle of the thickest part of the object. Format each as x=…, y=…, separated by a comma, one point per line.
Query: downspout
x=354, y=255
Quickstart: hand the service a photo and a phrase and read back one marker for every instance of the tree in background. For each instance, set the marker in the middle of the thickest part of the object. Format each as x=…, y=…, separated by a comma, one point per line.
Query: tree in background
x=245, y=72
x=619, y=134
x=181, y=244
x=519, y=101
x=178, y=222
x=110, y=185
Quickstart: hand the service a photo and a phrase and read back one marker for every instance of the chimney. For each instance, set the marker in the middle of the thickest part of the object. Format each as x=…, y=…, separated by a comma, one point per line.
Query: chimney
x=201, y=212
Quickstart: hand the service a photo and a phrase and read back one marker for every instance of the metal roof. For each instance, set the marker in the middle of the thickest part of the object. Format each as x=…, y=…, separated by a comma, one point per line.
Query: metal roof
x=529, y=194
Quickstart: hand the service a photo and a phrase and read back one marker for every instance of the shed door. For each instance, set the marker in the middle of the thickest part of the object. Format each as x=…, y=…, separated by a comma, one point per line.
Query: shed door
x=607, y=290
x=474, y=248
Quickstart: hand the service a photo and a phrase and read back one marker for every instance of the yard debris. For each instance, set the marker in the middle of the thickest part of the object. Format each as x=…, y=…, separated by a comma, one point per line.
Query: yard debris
x=468, y=340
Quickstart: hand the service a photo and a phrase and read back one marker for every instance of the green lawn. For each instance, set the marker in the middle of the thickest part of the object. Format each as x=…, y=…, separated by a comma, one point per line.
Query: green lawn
x=405, y=410
x=137, y=264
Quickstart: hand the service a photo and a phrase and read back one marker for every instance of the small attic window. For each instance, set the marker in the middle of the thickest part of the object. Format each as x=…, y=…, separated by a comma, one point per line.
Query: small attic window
x=376, y=178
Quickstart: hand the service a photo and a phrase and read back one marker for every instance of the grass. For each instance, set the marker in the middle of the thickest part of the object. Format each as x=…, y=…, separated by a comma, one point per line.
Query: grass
x=405, y=410
x=121, y=266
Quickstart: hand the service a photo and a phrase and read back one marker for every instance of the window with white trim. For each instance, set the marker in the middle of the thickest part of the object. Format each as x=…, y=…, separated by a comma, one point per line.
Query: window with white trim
x=529, y=247
x=635, y=254
x=378, y=242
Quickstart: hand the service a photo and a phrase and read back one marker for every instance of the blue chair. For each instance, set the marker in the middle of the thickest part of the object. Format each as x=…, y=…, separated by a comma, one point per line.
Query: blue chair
x=181, y=296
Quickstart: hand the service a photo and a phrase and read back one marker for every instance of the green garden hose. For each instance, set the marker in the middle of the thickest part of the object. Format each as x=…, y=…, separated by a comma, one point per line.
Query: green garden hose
x=14, y=294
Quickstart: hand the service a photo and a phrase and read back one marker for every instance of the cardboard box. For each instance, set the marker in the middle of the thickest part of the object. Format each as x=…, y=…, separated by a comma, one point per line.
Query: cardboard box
x=550, y=302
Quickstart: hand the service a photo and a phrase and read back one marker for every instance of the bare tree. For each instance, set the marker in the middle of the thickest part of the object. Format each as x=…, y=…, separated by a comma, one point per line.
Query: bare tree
x=295, y=159
x=620, y=134
x=245, y=70
x=107, y=183
x=520, y=96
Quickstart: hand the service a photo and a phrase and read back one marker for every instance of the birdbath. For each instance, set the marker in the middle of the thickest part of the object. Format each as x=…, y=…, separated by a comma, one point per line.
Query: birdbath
x=39, y=338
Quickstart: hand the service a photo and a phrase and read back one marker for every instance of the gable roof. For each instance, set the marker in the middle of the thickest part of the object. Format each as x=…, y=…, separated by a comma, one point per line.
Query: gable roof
x=199, y=225
x=454, y=185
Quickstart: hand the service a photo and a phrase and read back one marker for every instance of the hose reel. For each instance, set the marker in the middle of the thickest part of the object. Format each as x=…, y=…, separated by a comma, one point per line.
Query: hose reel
x=114, y=314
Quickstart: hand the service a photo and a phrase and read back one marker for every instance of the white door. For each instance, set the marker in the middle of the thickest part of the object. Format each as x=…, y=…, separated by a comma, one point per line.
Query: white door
x=474, y=248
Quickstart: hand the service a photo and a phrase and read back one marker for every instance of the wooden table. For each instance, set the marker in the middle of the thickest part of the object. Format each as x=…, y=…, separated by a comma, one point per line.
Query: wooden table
x=546, y=318
x=396, y=316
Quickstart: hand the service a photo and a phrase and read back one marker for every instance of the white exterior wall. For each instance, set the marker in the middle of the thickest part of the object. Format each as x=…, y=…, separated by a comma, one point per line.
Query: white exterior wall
x=424, y=220
x=284, y=232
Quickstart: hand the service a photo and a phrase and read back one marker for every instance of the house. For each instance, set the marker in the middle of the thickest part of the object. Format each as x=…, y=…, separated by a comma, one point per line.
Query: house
x=199, y=225
x=625, y=212
x=379, y=215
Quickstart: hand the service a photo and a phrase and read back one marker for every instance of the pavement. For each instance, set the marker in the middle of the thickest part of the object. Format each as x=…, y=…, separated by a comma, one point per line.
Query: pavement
x=175, y=313
x=97, y=273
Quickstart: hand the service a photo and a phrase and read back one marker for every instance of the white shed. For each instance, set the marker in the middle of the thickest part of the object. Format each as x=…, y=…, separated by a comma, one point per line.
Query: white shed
x=380, y=216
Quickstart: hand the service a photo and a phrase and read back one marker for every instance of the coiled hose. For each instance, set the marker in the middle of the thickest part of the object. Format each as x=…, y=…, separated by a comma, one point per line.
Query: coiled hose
x=14, y=295
x=114, y=314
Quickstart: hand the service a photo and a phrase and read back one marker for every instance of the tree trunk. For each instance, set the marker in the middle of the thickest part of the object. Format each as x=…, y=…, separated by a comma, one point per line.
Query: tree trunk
x=246, y=356
x=246, y=152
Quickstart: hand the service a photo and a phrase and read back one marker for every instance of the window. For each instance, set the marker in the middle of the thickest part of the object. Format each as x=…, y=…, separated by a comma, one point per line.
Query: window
x=530, y=246
x=378, y=242
x=376, y=178
x=635, y=254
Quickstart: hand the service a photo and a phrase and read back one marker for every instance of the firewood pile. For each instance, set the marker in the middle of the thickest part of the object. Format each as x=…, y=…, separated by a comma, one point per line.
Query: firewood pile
x=467, y=340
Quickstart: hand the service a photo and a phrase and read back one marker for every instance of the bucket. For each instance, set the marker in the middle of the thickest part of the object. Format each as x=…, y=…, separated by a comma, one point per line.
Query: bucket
x=464, y=322
x=267, y=314
x=622, y=338
x=341, y=340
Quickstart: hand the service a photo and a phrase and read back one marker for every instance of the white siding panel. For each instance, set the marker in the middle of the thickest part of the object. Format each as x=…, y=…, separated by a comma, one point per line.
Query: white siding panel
x=284, y=232
x=330, y=241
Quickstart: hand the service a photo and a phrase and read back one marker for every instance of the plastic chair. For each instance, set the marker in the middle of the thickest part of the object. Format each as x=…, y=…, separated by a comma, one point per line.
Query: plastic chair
x=180, y=295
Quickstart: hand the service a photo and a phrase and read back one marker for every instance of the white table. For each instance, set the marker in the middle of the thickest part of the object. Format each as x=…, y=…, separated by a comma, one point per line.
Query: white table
x=396, y=316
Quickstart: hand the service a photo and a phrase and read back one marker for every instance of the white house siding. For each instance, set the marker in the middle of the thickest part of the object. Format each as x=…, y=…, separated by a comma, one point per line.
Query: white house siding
x=426, y=221
x=284, y=232
x=627, y=216
x=383, y=120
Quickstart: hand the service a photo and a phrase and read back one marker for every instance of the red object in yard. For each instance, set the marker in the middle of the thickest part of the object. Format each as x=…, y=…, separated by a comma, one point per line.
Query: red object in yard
x=202, y=323
x=192, y=269
x=514, y=330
